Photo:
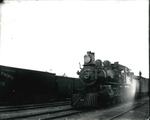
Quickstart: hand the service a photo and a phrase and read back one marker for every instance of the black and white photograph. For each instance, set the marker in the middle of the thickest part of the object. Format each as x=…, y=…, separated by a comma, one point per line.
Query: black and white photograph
x=74, y=60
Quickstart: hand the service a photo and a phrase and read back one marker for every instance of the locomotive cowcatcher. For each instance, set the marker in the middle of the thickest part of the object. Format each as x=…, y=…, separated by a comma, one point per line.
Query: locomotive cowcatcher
x=103, y=83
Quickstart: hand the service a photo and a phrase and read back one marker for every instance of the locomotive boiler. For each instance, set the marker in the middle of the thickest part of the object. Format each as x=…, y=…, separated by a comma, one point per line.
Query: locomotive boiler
x=103, y=83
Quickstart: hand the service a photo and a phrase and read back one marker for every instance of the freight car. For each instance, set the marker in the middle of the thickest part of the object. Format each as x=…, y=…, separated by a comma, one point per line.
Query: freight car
x=21, y=86
x=66, y=86
x=142, y=86
x=106, y=83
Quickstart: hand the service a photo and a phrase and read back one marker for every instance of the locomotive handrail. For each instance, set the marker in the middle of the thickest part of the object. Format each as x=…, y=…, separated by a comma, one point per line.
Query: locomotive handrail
x=114, y=83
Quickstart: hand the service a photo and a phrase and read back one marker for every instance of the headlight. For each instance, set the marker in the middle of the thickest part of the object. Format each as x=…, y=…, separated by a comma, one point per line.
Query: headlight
x=87, y=59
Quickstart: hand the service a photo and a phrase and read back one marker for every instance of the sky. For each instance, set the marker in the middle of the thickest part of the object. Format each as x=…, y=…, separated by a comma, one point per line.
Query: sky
x=54, y=36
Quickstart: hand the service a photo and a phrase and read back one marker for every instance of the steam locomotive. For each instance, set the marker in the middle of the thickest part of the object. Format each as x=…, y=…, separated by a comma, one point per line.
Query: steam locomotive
x=98, y=83
x=106, y=83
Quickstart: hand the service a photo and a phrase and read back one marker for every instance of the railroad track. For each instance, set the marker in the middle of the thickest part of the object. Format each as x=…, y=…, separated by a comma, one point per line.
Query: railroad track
x=131, y=111
x=32, y=106
x=53, y=115
x=127, y=111
x=119, y=112
x=66, y=111
x=31, y=112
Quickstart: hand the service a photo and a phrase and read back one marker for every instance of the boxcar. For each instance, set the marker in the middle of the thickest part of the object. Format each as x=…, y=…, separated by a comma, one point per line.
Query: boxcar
x=20, y=86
